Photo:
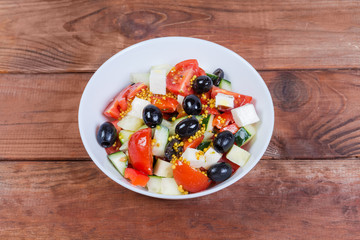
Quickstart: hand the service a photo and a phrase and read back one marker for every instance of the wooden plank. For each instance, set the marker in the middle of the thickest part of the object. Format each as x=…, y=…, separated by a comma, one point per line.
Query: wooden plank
x=316, y=115
x=78, y=36
x=277, y=200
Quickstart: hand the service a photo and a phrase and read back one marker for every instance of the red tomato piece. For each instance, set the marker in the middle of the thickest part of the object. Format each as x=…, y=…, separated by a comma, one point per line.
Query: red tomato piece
x=234, y=166
x=118, y=129
x=239, y=99
x=140, y=151
x=114, y=148
x=233, y=128
x=212, y=111
x=181, y=111
x=120, y=102
x=135, y=89
x=223, y=119
x=165, y=104
x=194, y=143
x=178, y=79
x=201, y=72
x=191, y=179
x=136, y=177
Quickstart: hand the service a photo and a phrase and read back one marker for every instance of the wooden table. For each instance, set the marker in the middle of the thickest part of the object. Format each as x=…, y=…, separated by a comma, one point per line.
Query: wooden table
x=307, y=185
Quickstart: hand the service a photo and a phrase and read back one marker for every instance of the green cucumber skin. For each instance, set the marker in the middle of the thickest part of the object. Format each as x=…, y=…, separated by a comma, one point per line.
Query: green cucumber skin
x=242, y=136
x=203, y=145
x=225, y=84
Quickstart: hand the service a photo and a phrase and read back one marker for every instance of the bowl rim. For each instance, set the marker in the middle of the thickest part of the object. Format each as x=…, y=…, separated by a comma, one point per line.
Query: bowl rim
x=157, y=195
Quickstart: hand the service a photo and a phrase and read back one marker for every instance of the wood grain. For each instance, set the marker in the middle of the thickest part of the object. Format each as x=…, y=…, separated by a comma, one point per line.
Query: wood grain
x=276, y=200
x=78, y=36
x=316, y=115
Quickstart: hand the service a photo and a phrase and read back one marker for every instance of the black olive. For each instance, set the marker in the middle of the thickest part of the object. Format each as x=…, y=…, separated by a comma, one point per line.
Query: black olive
x=220, y=75
x=219, y=172
x=223, y=141
x=106, y=135
x=192, y=105
x=187, y=127
x=170, y=151
x=202, y=84
x=152, y=116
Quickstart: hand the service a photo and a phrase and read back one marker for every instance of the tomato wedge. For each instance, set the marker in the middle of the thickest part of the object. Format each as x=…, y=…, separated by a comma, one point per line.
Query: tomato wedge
x=233, y=128
x=165, y=104
x=140, y=151
x=136, y=177
x=114, y=148
x=115, y=123
x=178, y=79
x=239, y=99
x=191, y=179
x=120, y=102
x=194, y=143
x=135, y=89
x=223, y=119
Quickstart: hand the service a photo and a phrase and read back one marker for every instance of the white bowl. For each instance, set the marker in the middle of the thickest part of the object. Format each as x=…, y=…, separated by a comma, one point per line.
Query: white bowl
x=114, y=75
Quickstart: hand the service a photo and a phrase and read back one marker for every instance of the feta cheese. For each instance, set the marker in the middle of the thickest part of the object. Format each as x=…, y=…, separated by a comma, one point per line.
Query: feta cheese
x=211, y=157
x=224, y=100
x=238, y=155
x=180, y=99
x=137, y=107
x=194, y=157
x=157, y=81
x=245, y=115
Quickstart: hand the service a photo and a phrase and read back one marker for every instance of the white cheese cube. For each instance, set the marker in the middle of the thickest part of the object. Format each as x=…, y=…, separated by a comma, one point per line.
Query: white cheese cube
x=180, y=99
x=192, y=155
x=238, y=155
x=245, y=115
x=224, y=100
x=137, y=107
x=157, y=81
x=163, y=169
x=211, y=157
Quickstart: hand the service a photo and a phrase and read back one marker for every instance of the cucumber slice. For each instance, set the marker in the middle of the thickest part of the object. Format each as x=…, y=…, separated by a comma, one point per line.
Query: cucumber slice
x=225, y=84
x=124, y=146
x=166, y=123
x=169, y=187
x=120, y=161
x=203, y=145
x=161, y=136
x=163, y=169
x=165, y=67
x=154, y=184
x=209, y=126
x=124, y=135
x=212, y=76
x=238, y=155
x=130, y=123
x=173, y=125
x=140, y=77
x=244, y=135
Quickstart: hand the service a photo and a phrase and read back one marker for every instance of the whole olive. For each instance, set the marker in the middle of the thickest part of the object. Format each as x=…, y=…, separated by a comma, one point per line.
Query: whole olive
x=223, y=141
x=152, y=116
x=187, y=127
x=219, y=172
x=202, y=84
x=192, y=104
x=170, y=150
x=220, y=75
x=106, y=135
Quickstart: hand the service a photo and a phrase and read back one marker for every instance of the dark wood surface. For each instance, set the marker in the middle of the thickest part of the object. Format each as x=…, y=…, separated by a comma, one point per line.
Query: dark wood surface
x=307, y=186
